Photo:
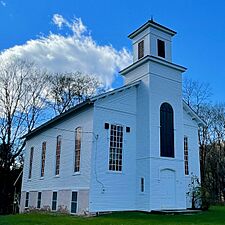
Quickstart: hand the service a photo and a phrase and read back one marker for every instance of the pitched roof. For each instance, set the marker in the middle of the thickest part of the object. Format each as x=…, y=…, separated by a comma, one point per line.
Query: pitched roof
x=193, y=114
x=82, y=106
x=88, y=103
x=151, y=23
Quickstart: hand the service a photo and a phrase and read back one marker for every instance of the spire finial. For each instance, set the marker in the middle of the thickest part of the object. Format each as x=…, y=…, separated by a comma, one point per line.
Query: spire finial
x=152, y=18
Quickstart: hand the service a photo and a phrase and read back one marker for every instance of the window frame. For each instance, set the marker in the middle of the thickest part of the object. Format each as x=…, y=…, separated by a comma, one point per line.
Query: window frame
x=27, y=197
x=58, y=154
x=43, y=158
x=116, y=152
x=167, y=139
x=74, y=202
x=76, y=169
x=54, y=201
x=161, y=49
x=186, y=156
x=31, y=162
x=39, y=196
x=142, y=185
x=141, y=49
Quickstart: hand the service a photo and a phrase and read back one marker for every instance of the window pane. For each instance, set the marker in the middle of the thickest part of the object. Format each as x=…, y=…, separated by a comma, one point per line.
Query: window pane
x=53, y=205
x=116, y=145
x=74, y=196
x=73, y=207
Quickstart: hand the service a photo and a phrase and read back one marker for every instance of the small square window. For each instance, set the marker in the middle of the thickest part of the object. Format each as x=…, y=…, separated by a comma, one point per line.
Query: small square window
x=161, y=48
x=107, y=126
x=128, y=129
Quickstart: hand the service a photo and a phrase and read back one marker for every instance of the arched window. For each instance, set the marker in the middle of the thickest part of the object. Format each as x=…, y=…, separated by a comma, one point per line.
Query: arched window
x=166, y=131
x=78, y=132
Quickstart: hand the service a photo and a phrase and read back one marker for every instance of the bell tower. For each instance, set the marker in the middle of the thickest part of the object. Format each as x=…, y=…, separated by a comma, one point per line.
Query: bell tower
x=152, y=39
x=160, y=85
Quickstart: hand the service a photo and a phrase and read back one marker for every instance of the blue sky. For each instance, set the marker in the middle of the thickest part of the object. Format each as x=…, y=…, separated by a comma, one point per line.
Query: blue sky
x=199, y=44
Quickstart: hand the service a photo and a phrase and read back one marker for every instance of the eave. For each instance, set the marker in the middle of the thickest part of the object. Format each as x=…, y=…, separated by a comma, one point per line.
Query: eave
x=152, y=59
x=153, y=24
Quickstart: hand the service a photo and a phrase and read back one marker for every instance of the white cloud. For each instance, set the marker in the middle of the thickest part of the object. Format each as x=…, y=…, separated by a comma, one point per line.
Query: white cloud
x=75, y=52
x=3, y=3
x=58, y=20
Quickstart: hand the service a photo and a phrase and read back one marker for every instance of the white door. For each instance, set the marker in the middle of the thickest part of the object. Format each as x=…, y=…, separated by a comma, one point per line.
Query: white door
x=168, y=189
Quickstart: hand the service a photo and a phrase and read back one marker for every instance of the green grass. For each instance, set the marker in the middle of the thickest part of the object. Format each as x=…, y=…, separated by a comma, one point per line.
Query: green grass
x=216, y=215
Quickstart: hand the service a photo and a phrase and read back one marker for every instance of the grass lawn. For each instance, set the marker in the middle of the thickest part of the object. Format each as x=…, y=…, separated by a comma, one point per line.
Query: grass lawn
x=216, y=215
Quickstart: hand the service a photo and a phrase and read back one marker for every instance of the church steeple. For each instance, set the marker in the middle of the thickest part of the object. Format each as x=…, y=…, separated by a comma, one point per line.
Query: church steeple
x=152, y=39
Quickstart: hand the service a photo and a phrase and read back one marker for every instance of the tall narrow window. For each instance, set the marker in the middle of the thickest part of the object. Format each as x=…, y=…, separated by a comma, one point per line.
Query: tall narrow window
x=116, y=146
x=161, y=48
x=142, y=184
x=78, y=132
x=43, y=159
x=74, y=202
x=140, y=49
x=27, y=200
x=166, y=131
x=58, y=151
x=31, y=162
x=39, y=200
x=54, y=200
x=186, y=169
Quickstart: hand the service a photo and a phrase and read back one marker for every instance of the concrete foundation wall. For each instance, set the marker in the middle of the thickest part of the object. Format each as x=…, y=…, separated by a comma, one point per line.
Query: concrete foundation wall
x=63, y=201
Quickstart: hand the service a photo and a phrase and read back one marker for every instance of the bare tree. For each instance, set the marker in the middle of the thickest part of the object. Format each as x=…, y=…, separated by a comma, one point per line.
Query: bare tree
x=196, y=94
x=22, y=96
x=21, y=100
x=69, y=89
x=211, y=138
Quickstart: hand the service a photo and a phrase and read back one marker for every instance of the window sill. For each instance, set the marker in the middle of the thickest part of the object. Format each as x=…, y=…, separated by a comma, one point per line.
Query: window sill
x=76, y=173
x=29, y=180
x=165, y=157
x=115, y=172
x=41, y=178
x=56, y=176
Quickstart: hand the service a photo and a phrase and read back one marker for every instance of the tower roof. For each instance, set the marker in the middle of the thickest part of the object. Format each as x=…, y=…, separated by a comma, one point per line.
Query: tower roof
x=151, y=23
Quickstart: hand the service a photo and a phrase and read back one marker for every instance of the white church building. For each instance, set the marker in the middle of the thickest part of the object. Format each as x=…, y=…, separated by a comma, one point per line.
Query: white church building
x=133, y=148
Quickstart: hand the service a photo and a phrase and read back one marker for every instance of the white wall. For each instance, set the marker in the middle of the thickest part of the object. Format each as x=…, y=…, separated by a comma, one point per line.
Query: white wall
x=191, y=131
x=165, y=86
x=114, y=190
x=67, y=179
